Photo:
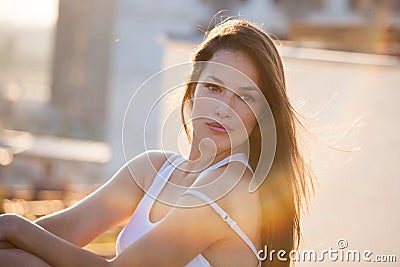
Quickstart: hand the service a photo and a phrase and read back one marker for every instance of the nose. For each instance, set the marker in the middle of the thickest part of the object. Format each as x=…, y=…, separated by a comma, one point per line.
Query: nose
x=224, y=108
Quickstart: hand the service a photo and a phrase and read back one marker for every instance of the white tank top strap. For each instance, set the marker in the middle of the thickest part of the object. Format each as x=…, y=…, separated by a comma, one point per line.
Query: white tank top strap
x=163, y=175
x=225, y=217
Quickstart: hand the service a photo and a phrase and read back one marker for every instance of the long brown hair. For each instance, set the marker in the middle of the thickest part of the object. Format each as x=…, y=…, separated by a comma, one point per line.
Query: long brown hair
x=289, y=181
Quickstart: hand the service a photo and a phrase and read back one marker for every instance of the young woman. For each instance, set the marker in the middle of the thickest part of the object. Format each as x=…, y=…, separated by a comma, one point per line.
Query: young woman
x=205, y=214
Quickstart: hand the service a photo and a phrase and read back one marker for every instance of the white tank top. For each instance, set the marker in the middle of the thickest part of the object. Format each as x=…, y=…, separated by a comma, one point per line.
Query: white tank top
x=140, y=223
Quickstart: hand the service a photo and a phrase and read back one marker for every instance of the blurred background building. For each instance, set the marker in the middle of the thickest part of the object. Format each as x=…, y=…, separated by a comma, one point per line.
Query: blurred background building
x=69, y=68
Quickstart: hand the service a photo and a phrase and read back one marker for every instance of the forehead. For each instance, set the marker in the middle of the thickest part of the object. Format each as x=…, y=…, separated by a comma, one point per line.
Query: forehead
x=233, y=68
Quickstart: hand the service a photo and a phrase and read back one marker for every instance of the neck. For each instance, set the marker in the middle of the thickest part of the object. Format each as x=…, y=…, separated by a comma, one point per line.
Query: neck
x=203, y=154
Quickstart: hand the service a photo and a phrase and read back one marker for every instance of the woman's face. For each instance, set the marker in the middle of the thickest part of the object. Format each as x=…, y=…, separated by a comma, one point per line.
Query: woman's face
x=226, y=100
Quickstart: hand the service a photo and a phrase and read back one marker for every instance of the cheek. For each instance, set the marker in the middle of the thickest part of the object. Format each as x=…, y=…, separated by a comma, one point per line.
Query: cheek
x=252, y=116
x=199, y=106
x=249, y=122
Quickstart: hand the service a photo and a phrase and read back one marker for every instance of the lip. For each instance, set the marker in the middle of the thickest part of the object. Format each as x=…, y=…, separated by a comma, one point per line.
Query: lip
x=217, y=127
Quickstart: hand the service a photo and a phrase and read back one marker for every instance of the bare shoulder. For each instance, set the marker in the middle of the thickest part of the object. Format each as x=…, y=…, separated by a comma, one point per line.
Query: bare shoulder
x=244, y=207
x=146, y=165
x=228, y=186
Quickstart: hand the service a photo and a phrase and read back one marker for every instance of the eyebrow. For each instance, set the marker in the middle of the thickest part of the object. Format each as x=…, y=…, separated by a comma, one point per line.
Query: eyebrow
x=220, y=82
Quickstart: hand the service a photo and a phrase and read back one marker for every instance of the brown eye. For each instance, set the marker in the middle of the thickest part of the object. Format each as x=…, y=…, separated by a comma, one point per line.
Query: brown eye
x=212, y=87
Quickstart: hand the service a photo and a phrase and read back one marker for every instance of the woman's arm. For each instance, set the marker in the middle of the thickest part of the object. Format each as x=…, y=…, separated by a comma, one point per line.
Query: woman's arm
x=37, y=241
x=20, y=258
x=103, y=209
x=5, y=245
x=181, y=236
x=108, y=206
x=178, y=238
